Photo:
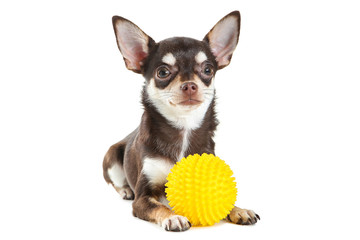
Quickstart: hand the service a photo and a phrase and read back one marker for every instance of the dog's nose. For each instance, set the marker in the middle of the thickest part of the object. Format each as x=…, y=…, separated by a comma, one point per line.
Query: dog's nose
x=189, y=88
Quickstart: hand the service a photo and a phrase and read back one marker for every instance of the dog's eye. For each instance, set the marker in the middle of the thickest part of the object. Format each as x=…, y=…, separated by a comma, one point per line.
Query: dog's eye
x=163, y=72
x=208, y=70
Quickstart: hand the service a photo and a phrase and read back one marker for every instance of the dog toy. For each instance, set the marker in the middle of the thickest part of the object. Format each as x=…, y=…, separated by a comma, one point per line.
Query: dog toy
x=202, y=189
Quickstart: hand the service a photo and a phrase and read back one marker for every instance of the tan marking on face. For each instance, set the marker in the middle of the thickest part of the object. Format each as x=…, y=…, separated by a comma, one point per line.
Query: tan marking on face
x=200, y=57
x=177, y=94
x=168, y=100
x=169, y=59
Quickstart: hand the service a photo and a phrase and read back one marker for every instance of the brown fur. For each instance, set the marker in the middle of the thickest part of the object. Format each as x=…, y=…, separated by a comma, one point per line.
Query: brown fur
x=156, y=137
x=242, y=216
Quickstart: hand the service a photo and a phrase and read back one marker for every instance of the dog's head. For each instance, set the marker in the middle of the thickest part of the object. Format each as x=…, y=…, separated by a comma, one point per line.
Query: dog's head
x=179, y=71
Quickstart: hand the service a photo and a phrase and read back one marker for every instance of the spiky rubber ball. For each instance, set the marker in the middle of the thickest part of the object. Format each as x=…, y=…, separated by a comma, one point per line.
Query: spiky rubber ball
x=202, y=189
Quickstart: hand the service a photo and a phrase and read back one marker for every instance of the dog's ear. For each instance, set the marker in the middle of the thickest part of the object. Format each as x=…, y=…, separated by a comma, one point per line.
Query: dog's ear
x=133, y=43
x=223, y=38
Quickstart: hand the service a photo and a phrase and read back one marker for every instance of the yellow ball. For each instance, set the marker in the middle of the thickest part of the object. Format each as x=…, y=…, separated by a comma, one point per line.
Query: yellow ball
x=202, y=189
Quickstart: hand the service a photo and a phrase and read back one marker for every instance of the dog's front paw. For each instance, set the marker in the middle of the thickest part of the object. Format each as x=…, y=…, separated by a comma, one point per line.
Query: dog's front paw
x=242, y=216
x=176, y=223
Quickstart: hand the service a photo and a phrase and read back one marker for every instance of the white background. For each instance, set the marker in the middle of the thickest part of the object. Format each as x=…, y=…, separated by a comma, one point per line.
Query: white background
x=288, y=106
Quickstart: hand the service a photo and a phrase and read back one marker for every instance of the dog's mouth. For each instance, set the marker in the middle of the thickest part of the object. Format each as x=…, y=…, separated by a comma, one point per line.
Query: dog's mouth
x=187, y=102
x=190, y=102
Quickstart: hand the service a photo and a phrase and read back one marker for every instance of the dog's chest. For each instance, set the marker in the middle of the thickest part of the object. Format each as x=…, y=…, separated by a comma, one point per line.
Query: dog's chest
x=184, y=143
x=171, y=143
x=156, y=169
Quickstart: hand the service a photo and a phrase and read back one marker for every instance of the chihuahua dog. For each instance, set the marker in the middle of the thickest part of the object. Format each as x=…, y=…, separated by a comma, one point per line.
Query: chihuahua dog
x=179, y=116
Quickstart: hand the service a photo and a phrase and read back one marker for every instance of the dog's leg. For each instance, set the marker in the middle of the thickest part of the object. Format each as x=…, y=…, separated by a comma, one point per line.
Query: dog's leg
x=114, y=172
x=150, y=209
x=242, y=216
x=147, y=206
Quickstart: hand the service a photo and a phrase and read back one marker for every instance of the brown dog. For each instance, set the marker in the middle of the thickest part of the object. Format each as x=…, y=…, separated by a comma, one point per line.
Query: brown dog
x=179, y=117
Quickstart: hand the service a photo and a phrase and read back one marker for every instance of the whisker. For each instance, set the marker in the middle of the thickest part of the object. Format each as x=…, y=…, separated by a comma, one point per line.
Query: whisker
x=165, y=94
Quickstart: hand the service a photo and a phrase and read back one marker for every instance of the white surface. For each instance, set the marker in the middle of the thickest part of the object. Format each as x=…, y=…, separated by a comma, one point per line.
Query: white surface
x=292, y=141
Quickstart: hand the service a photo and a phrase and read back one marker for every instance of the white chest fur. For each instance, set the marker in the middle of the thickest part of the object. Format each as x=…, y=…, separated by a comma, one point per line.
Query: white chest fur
x=185, y=143
x=156, y=170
